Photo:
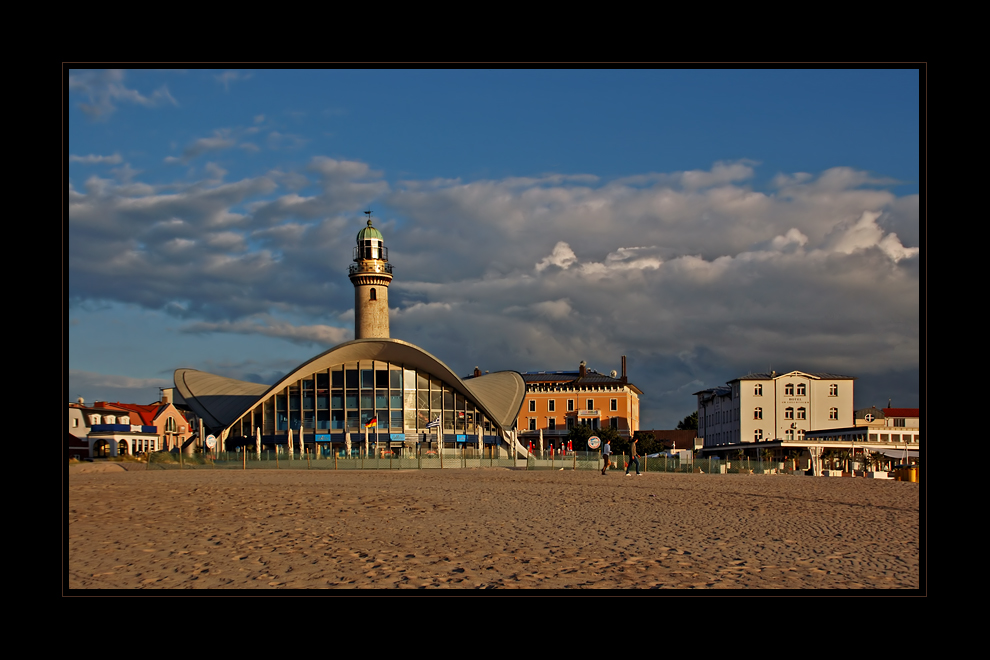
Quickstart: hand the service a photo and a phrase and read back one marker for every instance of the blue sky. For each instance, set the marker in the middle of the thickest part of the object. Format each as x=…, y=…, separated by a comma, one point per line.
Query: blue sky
x=704, y=223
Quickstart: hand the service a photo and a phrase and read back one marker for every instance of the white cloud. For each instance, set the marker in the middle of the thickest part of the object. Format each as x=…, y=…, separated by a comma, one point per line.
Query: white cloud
x=93, y=159
x=220, y=140
x=228, y=77
x=865, y=233
x=562, y=257
x=105, y=90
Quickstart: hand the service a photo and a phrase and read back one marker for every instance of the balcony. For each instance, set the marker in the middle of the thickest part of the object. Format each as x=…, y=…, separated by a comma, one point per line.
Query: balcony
x=378, y=268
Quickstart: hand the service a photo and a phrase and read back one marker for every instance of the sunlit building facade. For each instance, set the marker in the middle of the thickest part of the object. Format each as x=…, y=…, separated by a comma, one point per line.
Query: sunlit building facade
x=557, y=401
x=762, y=407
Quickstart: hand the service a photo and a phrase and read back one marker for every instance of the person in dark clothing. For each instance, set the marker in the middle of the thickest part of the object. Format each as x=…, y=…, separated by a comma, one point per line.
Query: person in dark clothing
x=633, y=458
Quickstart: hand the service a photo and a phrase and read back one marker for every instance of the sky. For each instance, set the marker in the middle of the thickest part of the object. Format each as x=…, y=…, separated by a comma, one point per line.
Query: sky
x=706, y=224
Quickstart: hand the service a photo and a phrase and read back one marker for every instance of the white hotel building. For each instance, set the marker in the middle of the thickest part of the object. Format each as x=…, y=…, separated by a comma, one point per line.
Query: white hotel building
x=763, y=407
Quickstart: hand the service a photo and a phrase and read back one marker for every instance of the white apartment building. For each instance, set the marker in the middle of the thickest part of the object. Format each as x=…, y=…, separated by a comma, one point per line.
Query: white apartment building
x=762, y=407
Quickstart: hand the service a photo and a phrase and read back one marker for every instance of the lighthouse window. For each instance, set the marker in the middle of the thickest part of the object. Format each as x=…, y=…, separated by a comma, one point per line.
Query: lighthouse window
x=374, y=295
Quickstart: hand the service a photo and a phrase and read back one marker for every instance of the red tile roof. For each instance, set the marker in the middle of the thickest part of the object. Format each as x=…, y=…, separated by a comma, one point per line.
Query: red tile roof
x=145, y=412
x=902, y=412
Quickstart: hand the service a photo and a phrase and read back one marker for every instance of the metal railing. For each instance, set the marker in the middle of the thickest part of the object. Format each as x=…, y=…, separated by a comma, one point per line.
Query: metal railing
x=464, y=457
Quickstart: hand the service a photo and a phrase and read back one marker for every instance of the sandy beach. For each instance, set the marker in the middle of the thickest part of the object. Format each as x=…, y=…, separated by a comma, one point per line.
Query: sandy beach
x=486, y=529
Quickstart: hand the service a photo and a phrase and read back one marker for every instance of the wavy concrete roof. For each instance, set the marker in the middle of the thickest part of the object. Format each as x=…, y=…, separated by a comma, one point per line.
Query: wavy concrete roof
x=224, y=400
x=217, y=400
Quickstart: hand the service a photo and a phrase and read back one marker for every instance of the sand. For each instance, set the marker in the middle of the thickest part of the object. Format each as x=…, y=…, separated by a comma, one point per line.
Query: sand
x=486, y=529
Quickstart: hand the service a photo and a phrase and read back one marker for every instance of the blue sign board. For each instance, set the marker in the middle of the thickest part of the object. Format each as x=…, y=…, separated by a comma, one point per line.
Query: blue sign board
x=397, y=437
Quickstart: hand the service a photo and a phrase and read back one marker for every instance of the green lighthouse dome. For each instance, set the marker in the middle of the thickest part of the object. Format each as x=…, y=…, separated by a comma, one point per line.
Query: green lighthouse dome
x=369, y=232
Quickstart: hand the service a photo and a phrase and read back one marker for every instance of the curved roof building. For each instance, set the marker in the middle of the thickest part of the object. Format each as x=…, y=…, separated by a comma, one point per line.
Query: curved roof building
x=391, y=389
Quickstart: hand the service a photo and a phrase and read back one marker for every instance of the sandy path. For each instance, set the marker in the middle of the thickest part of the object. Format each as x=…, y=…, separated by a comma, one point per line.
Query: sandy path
x=487, y=528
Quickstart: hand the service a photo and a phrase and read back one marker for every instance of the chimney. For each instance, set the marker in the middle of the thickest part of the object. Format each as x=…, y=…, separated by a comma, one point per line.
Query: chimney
x=624, y=380
x=582, y=369
x=477, y=372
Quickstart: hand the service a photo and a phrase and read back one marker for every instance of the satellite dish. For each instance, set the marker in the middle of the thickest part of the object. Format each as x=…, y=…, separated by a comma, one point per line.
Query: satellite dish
x=614, y=373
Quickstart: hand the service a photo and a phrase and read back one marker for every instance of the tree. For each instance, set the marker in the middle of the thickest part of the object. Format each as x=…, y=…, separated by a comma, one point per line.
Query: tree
x=648, y=443
x=689, y=423
x=578, y=436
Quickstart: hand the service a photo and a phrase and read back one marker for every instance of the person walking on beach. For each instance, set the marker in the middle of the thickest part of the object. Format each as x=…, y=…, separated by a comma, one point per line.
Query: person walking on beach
x=606, y=454
x=633, y=458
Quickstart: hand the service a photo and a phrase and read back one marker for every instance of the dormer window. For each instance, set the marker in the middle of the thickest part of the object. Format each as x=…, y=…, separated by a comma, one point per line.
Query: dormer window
x=111, y=419
x=94, y=419
x=125, y=420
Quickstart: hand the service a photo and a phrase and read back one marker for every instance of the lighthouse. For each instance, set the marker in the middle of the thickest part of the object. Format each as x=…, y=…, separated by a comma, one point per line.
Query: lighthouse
x=371, y=273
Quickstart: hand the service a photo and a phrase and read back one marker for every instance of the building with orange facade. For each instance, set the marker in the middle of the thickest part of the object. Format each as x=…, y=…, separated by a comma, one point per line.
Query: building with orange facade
x=557, y=401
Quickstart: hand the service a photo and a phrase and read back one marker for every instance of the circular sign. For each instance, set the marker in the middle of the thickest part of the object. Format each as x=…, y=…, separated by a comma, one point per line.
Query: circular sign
x=594, y=442
x=211, y=441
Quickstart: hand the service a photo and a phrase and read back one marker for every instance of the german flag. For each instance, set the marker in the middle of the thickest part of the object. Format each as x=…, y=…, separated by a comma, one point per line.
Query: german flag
x=372, y=422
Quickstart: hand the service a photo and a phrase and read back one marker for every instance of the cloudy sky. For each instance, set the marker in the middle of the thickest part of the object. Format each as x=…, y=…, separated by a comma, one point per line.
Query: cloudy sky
x=706, y=224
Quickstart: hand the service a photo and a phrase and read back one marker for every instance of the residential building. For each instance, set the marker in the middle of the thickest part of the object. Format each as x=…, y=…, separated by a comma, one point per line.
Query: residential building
x=760, y=407
x=556, y=401
x=889, y=430
x=108, y=430
x=171, y=425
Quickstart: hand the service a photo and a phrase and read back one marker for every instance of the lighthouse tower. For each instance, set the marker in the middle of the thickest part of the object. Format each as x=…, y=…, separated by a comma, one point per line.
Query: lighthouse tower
x=370, y=274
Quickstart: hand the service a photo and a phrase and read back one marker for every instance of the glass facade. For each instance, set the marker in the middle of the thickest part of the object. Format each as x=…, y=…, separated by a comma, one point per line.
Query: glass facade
x=346, y=397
